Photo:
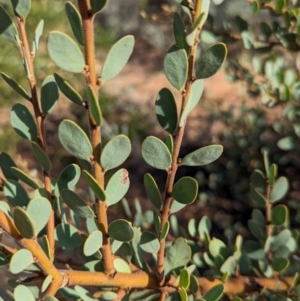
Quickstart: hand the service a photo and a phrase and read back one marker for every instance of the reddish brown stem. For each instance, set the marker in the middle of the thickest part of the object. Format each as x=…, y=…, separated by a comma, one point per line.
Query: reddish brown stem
x=91, y=79
x=40, y=124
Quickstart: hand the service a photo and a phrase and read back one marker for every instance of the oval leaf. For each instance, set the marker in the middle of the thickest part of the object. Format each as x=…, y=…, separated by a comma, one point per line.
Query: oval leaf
x=84, y=294
x=37, y=35
x=15, y=193
x=21, y=7
x=68, y=90
x=67, y=236
x=65, y=52
x=166, y=110
x=180, y=32
x=156, y=153
x=77, y=204
x=75, y=22
x=115, y=152
x=196, y=93
x=280, y=264
x=39, y=209
x=280, y=215
x=211, y=61
x=117, y=187
x=93, y=184
x=22, y=293
x=121, y=230
x=177, y=256
x=185, y=190
x=176, y=67
x=49, y=94
x=98, y=5
x=93, y=243
x=117, y=58
x=75, y=140
x=6, y=163
x=149, y=243
x=165, y=231
x=25, y=177
x=203, y=155
x=280, y=189
x=122, y=266
x=7, y=28
x=13, y=84
x=46, y=283
x=214, y=293
x=184, y=280
x=68, y=177
x=41, y=156
x=20, y=261
x=24, y=223
x=152, y=191
x=23, y=122
x=94, y=105
x=176, y=206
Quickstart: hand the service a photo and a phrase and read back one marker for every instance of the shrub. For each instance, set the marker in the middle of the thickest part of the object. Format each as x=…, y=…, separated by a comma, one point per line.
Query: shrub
x=53, y=217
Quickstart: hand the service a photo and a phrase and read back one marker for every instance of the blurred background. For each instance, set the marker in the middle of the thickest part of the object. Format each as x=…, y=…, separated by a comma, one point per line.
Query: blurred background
x=230, y=112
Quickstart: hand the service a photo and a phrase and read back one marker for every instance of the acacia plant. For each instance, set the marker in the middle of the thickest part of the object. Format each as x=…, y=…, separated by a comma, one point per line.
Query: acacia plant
x=52, y=217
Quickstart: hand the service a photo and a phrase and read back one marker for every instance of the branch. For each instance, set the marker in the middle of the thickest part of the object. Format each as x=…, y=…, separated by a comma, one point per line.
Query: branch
x=40, y=124
x=177, y=145
x=91, y=79
x=7, y=224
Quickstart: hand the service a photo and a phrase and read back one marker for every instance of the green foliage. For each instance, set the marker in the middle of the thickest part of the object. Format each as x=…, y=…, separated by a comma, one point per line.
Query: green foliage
x=75, y=140
x=117, y=58
x=176, y=67
x=177, y=254
x=65, y=52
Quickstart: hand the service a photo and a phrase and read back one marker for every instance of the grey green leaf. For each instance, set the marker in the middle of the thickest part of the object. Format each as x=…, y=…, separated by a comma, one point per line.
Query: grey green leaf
x=152, y=191
x=117, y=58
x=21, y=175
x=75, y=140
x=185, y=190
x=94, y=185
x=93, y=243
x=121, y=230
x=21, y=7
x=49, y=94
x=14, y=85
x=196, y=93
x=41, y=156
x=24, y=223
x=156, y=153
x=166, y=110
x=23, y=122
x=177, y=256
x=203, y=155
x=75, y=22
x=176, y=67
x=8, y=29
x=65, y=52
x=117, y=187
x=77, y=204
x=39, y=209
x=211, y=61
x=68, y=90
x=115, y=152
x=94, y=105
x=20, y=261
